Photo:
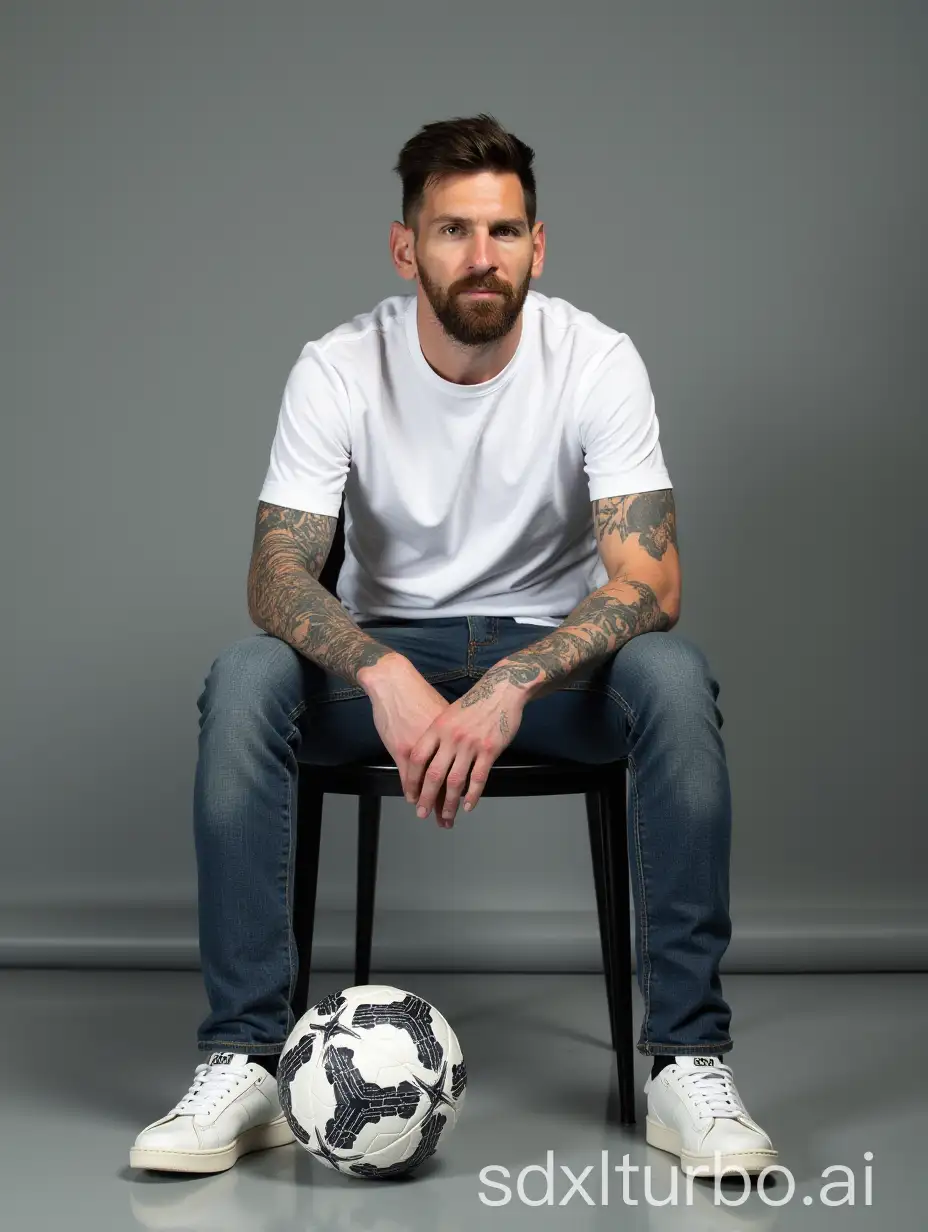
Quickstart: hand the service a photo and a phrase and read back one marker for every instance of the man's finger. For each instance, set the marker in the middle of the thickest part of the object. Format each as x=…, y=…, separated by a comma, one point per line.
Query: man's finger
x=440, y=803
x=455, y=783
x=419, y=757
x=478, y=780
x=434, y=779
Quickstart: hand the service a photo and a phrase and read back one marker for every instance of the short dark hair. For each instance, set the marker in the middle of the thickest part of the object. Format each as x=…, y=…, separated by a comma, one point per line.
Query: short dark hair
x=465, y=143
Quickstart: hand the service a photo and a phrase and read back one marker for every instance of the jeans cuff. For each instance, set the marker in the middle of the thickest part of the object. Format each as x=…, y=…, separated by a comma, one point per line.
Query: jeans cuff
x=251, y=1050
x=684, y=1050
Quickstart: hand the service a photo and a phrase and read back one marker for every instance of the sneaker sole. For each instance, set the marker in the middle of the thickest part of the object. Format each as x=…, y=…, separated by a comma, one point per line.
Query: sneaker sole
x=258, y=1138
x=666, y=1139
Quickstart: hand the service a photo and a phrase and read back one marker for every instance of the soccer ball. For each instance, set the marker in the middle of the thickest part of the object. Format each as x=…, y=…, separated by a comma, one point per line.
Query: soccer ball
x=369, y=1079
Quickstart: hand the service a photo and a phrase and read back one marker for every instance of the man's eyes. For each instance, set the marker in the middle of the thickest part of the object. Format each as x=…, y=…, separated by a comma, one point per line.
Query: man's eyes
x=511, y=230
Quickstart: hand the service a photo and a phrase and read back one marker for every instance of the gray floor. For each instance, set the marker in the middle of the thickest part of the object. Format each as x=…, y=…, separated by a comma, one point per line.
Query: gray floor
x=832, y=1066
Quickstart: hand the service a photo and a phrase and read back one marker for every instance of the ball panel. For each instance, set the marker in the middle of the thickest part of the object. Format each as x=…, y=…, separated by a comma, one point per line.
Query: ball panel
x=403, y=1155
x=407, y=1013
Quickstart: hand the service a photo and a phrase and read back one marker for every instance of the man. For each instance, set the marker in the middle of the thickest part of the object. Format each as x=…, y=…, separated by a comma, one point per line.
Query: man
x=511, y=578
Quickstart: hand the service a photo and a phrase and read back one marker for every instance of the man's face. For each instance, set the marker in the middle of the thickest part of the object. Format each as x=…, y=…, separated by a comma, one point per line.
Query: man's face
x=493, y=250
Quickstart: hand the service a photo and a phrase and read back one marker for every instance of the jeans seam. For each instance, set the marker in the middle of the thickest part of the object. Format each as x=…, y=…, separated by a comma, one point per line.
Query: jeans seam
x=288, y=895
x=472, y=644
x=643, y=894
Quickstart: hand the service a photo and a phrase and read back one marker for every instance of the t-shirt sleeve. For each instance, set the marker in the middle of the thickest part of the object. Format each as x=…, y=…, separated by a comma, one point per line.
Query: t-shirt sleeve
x=619, y=429
x=311, y=450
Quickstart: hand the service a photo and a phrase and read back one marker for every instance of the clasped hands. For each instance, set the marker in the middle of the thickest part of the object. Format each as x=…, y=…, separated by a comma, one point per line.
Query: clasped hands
x=455, y=754
x=445, y=750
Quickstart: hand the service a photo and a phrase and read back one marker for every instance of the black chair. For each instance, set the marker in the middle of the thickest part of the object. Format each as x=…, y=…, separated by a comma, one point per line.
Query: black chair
x=604, y=788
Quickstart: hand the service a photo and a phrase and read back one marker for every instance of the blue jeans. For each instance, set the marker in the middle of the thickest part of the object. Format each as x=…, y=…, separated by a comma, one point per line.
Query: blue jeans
x=265, y=707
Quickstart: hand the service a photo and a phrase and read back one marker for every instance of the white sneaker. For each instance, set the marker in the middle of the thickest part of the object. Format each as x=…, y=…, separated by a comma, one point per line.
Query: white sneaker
x=696, y=1113
x=231, y=1108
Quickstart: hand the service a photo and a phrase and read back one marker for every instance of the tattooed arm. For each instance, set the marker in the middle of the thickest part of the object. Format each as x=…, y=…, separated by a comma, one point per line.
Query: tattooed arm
x=637, y=538
x=286, y=599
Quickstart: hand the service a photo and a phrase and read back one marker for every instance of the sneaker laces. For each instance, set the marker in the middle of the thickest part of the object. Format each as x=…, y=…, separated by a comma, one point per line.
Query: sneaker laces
x=210, y=1083
x=712, y=1092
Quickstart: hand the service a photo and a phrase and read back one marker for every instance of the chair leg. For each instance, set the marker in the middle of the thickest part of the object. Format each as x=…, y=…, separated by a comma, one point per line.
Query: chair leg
x=597, y=854
x=368, y=836
x=615, y=842
x=305, y=880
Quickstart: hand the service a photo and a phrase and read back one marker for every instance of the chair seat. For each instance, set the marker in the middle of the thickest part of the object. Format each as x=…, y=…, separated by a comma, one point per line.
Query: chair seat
x=511, y=774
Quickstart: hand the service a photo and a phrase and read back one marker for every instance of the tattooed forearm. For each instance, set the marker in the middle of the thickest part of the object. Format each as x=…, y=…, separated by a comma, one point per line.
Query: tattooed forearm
x=286, y=599
x=594, y=630
x=610, y=616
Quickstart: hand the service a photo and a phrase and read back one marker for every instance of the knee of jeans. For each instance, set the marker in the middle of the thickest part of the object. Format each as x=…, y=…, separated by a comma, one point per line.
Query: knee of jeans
x=248, y=672
x=669, y=665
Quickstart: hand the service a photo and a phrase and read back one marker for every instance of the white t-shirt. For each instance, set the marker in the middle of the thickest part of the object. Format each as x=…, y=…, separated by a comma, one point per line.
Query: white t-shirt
x=466, y=499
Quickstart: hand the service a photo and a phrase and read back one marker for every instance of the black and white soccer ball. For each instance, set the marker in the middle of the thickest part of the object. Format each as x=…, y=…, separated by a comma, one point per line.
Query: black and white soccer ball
x=370, y=1079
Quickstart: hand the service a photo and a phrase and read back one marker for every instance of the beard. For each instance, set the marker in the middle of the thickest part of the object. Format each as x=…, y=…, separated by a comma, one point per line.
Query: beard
x=476, y=322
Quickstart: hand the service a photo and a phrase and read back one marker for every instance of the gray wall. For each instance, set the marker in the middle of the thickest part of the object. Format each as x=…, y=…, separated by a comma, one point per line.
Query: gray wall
x=193, y=191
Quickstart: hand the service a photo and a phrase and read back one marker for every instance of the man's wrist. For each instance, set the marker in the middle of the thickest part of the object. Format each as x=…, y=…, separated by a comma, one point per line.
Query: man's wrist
x=388, y=668
x=518, y=681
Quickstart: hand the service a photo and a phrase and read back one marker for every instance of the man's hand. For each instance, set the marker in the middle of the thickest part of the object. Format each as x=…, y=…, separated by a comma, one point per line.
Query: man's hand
x=472, y=731
x=404, y=706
